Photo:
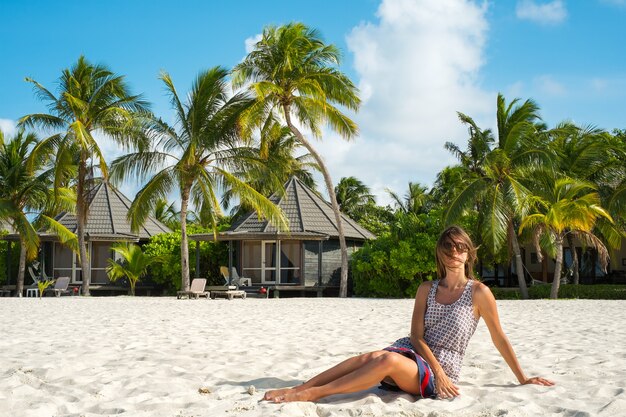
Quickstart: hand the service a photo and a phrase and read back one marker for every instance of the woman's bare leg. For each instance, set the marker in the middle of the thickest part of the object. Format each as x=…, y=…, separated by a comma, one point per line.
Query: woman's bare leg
x=336, y=372
x=401, y=369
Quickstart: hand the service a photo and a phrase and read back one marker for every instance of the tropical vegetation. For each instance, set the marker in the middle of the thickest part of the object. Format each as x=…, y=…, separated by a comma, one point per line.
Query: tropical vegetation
x=91, y=100
x=294, y=77
x=238, y=136
x=26, y=190
x=196, y=157
x=132, y=265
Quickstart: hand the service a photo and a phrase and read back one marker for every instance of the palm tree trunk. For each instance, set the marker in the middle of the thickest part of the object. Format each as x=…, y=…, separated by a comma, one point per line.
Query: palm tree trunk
x=556, y=281
x=343, y=283
x=81, y=218
x=21, y=272
x=184, y=248
x=519, y=265
x=572, y=250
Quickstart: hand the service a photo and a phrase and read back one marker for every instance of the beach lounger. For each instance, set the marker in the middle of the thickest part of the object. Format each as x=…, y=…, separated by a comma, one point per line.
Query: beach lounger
x=236, y=280
x=60, y=287
x=230, y=294
x=196, y=290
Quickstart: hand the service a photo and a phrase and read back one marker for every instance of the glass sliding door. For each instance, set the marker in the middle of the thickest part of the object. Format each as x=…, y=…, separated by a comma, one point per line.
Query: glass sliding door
x=272, y=262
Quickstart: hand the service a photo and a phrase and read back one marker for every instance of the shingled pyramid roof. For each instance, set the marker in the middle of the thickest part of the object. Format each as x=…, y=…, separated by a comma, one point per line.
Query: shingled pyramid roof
x=307, y=213
x=106, y=218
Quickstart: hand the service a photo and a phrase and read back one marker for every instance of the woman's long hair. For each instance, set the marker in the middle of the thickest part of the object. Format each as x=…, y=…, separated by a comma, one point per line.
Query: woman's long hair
x=452, y=235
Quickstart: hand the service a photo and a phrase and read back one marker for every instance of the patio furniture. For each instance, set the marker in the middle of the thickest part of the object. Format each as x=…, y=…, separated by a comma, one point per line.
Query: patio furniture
x=60, y=287
x=196, y=290
x=230, y=294
x=236, y=280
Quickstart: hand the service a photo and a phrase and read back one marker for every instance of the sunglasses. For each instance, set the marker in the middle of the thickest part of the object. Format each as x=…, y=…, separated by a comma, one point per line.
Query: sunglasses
x=460, y=247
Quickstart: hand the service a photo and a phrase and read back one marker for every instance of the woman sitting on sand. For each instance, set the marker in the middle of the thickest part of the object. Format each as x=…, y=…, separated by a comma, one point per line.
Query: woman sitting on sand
x=428, y=362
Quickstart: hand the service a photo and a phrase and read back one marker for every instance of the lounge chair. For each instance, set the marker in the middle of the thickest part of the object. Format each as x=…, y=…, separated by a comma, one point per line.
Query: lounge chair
x=34, y=276
x=236, y=280
x=60, y=287
x=196, y=290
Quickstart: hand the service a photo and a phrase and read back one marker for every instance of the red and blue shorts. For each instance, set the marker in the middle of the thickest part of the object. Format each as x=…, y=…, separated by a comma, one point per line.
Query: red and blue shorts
x=426, y=377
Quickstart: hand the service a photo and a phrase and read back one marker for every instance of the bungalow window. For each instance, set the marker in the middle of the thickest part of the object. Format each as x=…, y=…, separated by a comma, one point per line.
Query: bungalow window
x=290, y=262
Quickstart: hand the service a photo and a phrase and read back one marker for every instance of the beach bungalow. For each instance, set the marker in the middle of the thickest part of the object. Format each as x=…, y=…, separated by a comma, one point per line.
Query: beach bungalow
x=106, y=224
x=306, y=258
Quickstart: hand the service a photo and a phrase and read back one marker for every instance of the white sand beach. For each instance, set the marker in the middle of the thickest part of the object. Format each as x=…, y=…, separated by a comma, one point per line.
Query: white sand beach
x=76, y=356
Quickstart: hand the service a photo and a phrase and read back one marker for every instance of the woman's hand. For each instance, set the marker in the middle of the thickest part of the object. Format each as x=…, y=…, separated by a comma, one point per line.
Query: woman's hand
x=444, y=387
x=538, y=381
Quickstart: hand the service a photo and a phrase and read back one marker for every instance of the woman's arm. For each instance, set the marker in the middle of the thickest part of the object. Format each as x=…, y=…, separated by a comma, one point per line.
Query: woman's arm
x=486, y=305
x=443, y=386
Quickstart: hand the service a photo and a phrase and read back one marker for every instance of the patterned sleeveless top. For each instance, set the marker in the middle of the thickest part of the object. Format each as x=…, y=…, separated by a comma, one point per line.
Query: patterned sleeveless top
x=448, y=329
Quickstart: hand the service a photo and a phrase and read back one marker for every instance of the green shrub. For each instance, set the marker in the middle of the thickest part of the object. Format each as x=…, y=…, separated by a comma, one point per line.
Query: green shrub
x=394, y=265
x=168, y=274
x=14, y=260
x=590, y=292
x=506, y=293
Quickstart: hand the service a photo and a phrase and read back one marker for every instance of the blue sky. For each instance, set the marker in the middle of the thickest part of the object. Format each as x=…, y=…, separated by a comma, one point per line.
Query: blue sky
x=417, y=63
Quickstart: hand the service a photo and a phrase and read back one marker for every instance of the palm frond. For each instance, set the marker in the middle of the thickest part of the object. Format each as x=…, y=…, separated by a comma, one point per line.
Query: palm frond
x=157, y=188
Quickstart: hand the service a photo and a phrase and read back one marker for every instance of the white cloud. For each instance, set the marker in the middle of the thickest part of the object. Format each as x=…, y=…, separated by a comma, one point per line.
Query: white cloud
x=544, y=13
x=251, y=41
x=417, y=66
x=8, y=127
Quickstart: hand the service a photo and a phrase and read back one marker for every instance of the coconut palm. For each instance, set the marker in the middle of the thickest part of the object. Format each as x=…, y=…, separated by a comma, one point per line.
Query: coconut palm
x=91, y=101
x=195, y=157
x=478, y=146
x=134, y=264
x=414, y=201
x=449, y=183
x=166, y=213
x=294, y=76
x=499, y=190
x=563, y=206
x=277, y=149
x=24, y=191
x=353, y=197
x=584, y=153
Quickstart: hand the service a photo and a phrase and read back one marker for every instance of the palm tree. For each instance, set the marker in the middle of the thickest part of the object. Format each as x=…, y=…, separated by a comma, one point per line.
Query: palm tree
x=353, y=197
x=277, y=149
x=294, y=75
x=478, y=146
x=562, y=206
x=499, y=190
x=24, y=191
x=92, y=100
x=134, y=265
x=449, y=183
x=166, y=213
x=582, y=153
x=196, y=158
x=414, y=201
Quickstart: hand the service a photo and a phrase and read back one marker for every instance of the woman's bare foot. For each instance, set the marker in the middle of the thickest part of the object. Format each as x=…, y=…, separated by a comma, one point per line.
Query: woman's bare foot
x=271, y=395
x=293, y=395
